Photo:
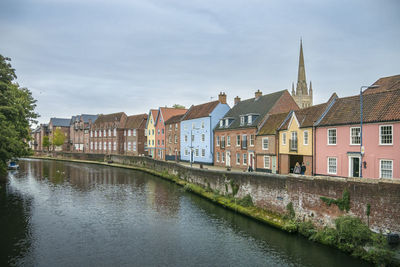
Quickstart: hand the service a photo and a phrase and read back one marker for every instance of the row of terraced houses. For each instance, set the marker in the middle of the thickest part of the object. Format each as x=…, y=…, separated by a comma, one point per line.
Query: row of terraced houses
x=267, y=133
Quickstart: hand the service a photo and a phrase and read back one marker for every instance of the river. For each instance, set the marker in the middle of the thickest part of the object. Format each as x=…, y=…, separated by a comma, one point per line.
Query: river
x=55, y=213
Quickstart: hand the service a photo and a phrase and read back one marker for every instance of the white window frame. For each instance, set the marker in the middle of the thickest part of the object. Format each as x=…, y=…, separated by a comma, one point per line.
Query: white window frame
x=304, y=138
x=380, y=135
x=202, y=124
x=203, y=137
x=134, y=132
x=336, y=167
x=228, y=140
x=185, y=138
x=109, y=146
x=237, y=158
x=115, y=146
x=218, y=142
x=327, y=135
x=196, y=154
x=134, y=146
x=380, y=167
x=269, y=162
x=95, y=145
x=284, y=139
x=129, y=146
x=221, y=123
x=244, y=156
x=226, y=122
x=217, y=156
x=238, y=140
x=109, y=132
x=252, y=140
x=351, y=136
x=263, y=147
x=105, y=145
x=91, y=145
x=115, y=131
x=241, y=120
x=249, y=119
x=203, y=152
x=222, y=157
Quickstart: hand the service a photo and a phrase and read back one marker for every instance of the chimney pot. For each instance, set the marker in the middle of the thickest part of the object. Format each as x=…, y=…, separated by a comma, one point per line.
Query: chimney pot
x=222, y=98
x=258, y=94
x=237, y=99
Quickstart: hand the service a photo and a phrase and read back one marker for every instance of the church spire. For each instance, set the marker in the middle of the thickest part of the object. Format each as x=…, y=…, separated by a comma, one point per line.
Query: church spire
x=301, y=87
x=293, y=93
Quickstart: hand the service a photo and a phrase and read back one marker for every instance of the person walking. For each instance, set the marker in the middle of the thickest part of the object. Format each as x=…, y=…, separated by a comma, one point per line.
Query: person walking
x=297, y=168
x=303, y=168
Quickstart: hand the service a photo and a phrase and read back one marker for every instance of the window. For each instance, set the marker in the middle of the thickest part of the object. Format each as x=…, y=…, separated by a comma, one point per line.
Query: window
x=293, y=141
x=134, y=146
x=99, y=133
x=158, y=142
x=162, y=131
x=176, y=126
x=197, y=152
x=95, y=133
x=169, y=139
x=226, y=122
x=185, y=138
x=284, y=139
x=152, y=131
x=95, y=146
x=162, y=142
x=91, y=133
x=244, y=141
x=241, y=120
x=386, y=168
x=125, y=146
x=193, y=125
x=109, y=146
x=115, y=146
x=170, y=127
x=222, y=156
x=221, y=123
x=228, y=140
x=217, y=156
x=129, y=132
x=125, y=132
x=249, y=119
x=176, y=139
x=109, y=132
x=332, y=165
x=203, y=137
x=223, y=141
x=331, y=136
x=203, y=152
x=129, y=146
x=265, y=143
x=115, y=131
x=100, y=147
x=218, y=144
x=244, y=159
x=149, y=133
x=267, y=162
x=355, y=138
x=305, y=138
x=386, y=135
x=186, y=152
x=134, y=132
x=202, y=124
x=152, y=142
x=149, y=142
x=252, y=140
x=91, y=145
x=237, y=140
x=237, y=159
x=185, y=127
x=105, y=145
x=158, y=131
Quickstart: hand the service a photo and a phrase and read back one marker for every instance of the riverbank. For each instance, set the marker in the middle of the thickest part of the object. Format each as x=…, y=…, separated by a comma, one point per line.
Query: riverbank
x=345, y=235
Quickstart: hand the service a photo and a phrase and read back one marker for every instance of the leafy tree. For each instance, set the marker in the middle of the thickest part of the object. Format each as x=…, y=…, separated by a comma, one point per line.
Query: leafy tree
x=16, y=114
x=178, y=106
x=58, y=137
x=46, y=142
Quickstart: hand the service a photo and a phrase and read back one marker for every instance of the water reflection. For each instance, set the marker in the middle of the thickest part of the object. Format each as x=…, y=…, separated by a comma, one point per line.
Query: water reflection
x=71, y=214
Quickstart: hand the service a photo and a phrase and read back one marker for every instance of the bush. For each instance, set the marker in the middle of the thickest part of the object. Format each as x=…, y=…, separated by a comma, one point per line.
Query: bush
x=246, y=201
x=327, y=236
x=351, y=233
x=290, y=226
x=290, y=210
x=306, y=228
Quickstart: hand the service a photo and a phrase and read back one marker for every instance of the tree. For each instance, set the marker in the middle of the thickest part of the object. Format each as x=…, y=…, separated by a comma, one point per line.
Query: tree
x=16, y=114
x=46, y=142
x=58, y=137
x=178, y=106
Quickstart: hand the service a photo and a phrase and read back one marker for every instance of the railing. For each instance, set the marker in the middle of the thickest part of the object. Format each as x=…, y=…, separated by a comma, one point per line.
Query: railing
x=293, y=145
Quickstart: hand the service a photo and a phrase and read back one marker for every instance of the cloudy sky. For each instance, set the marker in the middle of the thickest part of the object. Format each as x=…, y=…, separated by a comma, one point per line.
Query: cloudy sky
x=103, y=56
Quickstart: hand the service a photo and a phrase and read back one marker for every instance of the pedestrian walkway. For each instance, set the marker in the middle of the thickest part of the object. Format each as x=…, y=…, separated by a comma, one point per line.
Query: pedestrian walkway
x=208, y=167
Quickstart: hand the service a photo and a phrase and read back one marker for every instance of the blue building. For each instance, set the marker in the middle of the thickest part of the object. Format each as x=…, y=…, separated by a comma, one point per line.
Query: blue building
x=197, y=135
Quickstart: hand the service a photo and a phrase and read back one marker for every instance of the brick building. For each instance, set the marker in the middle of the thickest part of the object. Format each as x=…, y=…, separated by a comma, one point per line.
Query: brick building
x=235, y=134
x=37, y=135
x=107, y=134
x=63, y=125
x=173, y=142
x=79, y=132
x=134, y=135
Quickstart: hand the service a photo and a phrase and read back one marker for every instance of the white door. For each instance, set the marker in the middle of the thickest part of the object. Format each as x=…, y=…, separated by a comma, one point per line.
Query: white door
x=228, y=158
x=273, y=164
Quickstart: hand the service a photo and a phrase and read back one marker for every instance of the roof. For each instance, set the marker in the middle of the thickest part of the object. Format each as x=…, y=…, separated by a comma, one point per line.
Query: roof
x=307, y=116
x=175, y=119
x=154, y=113
x=272, y=123
x=108, y=118
x=261, y=105
x=84, y=117
x=60, y=122
x=385, y=84
x=377, y=107
x=167, y=113
x=199, y=111
x=136, y=121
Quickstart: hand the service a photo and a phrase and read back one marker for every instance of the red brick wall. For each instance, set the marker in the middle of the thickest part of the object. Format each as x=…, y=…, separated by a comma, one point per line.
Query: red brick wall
x=171, y=131
x=260, y=152
x=284, y=104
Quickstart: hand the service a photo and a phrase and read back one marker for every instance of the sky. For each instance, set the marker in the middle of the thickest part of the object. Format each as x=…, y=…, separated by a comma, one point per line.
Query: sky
x=102, y=56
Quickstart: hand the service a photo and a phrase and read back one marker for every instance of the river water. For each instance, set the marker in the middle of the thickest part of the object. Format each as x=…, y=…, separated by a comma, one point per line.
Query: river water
x=72, y=214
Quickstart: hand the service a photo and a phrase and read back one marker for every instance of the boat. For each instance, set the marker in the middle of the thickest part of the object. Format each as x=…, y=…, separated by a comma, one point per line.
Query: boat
x=12, y=165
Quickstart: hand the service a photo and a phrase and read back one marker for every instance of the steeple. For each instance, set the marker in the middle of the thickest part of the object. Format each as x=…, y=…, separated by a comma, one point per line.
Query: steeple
x=301, y=87
x=310, y=91
x=293, y=93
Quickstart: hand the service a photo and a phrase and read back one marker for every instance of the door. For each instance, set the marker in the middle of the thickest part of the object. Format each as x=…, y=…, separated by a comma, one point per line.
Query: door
x=354, y=167
x=251, y=160
x=228, y=158
x=273, y=164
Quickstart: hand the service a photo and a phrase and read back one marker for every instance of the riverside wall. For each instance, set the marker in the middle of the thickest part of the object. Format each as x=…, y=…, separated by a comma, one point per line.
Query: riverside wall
x=274, y=192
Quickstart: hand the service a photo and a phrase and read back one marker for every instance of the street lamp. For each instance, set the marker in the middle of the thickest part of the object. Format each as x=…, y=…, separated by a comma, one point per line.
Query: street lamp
x=361, y=124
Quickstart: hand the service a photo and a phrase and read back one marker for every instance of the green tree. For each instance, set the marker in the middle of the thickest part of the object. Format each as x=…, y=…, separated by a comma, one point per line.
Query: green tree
x=16, y=114
x=46, y=142
x=178, y=106
x=58, y=137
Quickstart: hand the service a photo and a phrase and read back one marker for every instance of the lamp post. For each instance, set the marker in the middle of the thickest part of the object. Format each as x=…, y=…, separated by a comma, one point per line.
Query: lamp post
x=361, y=124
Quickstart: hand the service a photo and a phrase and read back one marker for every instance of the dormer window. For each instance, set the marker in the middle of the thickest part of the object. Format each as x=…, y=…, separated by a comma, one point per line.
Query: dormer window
x=241, y=120
x=221, y=123
x=249, y=120
x=226, y=122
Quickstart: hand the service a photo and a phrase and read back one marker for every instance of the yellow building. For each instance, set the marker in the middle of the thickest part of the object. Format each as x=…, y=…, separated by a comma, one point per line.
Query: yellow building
x=151, y=132
x=296, y=137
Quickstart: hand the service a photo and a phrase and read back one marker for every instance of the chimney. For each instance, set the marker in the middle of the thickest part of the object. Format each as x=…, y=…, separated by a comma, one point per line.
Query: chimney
x=237, y=99
x=258, y=94
x=222, y=98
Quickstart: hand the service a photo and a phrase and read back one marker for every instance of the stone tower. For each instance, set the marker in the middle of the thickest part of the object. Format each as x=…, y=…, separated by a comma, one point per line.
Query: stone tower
x=302, y=96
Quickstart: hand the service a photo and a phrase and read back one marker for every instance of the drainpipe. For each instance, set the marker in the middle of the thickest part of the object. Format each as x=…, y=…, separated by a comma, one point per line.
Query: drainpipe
x=314, y=152
x=277, y=153
x=211, y=143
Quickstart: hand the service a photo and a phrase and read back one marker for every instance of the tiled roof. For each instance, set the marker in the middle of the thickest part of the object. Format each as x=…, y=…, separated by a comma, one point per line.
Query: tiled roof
x=377, y=107
x=108, y=118
x=261, y=106
x=385, y=84
x=154, y=113
x=272, y=123
x=136, y=121
x=84, y=117
x=199, y=111
x=60, y=122
x=167, y=113
x=175, y=119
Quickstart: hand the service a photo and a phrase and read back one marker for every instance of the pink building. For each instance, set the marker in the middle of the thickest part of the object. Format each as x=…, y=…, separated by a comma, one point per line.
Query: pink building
x=338, y=141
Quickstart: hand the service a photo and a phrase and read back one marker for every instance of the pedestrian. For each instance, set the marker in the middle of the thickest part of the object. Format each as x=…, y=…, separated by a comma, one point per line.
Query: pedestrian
x=303, y=168
x=297, y=168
